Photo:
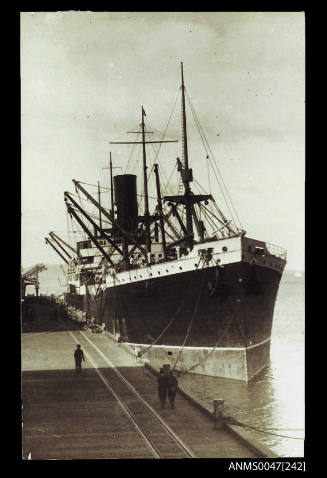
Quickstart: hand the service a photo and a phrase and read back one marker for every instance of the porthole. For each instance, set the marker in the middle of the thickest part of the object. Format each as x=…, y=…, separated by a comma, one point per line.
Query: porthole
x=167, y=270
x=181, y=268
x=196, y=265
x=225, y=249
x=158, y=272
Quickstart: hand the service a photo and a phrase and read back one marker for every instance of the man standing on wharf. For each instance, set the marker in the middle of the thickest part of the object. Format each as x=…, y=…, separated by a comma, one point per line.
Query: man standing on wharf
x=78, y=355
x=162, y=387
x=172, y=385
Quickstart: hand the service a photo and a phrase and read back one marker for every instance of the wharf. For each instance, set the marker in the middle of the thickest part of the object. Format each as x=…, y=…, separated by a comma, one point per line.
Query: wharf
x=98, y=415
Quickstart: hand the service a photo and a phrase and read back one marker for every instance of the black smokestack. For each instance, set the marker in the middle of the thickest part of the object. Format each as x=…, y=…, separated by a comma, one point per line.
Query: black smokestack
x=126, y=201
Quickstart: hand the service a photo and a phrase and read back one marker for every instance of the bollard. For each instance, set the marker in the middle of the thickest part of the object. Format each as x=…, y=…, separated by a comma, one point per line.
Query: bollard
x=218, y=413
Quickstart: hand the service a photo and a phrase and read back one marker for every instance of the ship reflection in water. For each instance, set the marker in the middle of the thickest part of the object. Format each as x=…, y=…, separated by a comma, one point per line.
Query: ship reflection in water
x=275, y=397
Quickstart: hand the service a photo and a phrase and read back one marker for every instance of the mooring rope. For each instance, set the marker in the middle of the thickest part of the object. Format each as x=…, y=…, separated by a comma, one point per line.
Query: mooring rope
x=233, y=421
x=193, y=315
x=174, y=316
x=224, y=332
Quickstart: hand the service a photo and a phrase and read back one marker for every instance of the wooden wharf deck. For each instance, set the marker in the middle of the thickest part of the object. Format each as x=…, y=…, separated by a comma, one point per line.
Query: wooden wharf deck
x=111, y=410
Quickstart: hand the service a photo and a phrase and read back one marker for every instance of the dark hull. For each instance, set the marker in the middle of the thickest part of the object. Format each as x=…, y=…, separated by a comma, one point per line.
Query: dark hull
x=233, y=305
x=76, y=300
x=229, y=308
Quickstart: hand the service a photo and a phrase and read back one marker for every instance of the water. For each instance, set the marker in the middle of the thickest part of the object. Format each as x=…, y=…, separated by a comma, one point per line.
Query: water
x=275, y=397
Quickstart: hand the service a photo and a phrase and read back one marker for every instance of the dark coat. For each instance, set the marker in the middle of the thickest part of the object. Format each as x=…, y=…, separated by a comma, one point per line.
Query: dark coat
x=162, y=382
x=79, y=355
x=172, y=383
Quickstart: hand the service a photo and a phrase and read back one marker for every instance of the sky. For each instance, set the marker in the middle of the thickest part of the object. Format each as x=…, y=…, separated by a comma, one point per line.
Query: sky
x=85, y=77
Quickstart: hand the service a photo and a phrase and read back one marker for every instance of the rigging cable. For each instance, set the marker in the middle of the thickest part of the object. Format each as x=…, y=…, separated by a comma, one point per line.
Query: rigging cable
x=132, y=152
x=224, y=332
x=207, y=148
x=209, y=219
x=213, y=162
x=164, y=134
x=217, y=208
x=168, y=184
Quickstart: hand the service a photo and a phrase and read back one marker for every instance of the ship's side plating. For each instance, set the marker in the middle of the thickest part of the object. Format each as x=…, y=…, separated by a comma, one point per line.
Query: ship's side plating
x=221, y=296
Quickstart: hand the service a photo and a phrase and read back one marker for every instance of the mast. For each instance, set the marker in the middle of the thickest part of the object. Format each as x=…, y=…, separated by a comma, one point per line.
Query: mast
x=112, y=189
x=147, y=217
x=145, y=188
x=162, y=227
x=187, y=172
x=99, y=199
x=188, y=199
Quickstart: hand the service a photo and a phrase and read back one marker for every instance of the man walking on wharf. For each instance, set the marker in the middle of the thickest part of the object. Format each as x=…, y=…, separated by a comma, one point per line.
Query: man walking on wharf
x=78, y=355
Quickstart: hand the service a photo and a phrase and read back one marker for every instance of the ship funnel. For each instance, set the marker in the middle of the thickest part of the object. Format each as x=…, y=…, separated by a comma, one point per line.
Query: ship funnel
x=126, y=201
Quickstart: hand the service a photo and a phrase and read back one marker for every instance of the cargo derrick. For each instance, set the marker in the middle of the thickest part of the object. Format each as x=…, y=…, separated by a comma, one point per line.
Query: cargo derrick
x=58, y=243
x=88, y=232
x=95, y=226
x=55, y=236
x=53, y=247
x=120, y=224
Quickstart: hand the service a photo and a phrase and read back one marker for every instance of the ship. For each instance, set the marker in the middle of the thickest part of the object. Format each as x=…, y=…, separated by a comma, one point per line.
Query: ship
x=182, y=284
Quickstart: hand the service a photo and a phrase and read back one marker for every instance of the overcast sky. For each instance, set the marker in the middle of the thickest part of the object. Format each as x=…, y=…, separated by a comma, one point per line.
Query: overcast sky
x=85, y=76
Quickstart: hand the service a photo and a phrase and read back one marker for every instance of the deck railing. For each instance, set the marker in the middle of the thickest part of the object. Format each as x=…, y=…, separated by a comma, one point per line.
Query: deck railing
x=277, y=251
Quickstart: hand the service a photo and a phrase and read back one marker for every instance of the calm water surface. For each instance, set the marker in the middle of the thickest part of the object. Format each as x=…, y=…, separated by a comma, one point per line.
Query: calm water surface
x=275, y=397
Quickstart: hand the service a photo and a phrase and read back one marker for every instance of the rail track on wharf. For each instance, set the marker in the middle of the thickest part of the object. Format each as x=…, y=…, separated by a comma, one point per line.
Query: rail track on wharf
x=111, y=410
x=158, y=436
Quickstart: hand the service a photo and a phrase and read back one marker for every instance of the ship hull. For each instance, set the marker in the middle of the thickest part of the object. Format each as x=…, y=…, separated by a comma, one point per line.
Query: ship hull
x=214, y=321
x=238, y=363
x=233, y=305
x=209, y=313
x=76, y=300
